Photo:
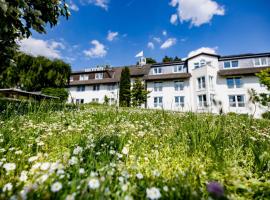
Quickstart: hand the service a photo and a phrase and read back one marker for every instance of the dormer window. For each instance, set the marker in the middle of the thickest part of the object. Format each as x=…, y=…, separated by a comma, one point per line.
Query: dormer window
x=84, y=77
x=157, y=70
x=98, y=75
x=260, y=62
x=231, y=64
x=178, y=68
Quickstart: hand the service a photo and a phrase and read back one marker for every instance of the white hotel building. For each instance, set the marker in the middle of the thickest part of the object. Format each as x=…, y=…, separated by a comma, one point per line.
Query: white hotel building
x=202, y=83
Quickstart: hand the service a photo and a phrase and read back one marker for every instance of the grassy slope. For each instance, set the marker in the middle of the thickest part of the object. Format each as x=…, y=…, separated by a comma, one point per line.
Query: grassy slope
x=180, y=151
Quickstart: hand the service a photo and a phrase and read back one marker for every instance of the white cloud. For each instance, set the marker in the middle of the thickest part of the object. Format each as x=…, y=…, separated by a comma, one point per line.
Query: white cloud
x=157, y=39
x=37, y=47
x=203, y=50
x=168, y=43
x=150, y=45
x=73, y=6
x=164, y=33
x=174, y=19
x=98, y=51
x=112, y=35
x=101, y=3
x=197, y=11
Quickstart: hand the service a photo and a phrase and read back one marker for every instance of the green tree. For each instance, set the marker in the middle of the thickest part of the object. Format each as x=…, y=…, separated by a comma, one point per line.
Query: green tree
x=264, y=76
x=177, y=59
x=19, y=17
x=167, y=59
x=125, y=94
x=150, y=61
x=138, y=93
x=106, y=100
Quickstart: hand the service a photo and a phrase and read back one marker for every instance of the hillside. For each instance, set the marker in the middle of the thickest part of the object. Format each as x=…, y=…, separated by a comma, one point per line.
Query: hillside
x=100, y=152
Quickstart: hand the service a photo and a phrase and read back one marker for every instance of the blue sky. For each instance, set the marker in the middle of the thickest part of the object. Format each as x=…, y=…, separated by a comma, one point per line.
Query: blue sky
x=157, y=27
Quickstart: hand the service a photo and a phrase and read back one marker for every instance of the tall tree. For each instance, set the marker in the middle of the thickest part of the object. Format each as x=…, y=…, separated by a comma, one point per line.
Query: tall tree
x=264, y=76
x=125, y=94
x=35, y=73
x=19, y=17
x=138, y=93
x=150, y=61
x=167, y=59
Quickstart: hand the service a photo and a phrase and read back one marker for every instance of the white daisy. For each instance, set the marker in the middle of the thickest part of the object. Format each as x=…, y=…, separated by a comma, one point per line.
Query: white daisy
x=7, y=187
x=9, y=166
x=153, y=193
x=56, y=187
x=93, y=183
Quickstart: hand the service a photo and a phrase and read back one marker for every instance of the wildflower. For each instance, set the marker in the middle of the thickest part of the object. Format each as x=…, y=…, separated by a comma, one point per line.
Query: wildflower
x=9, y=166
x=156, y=173
x=70, y=196
x=43, y=178
x=124, y=187
x=77, y=150
x=153, y=193
x=215, y=189
x=81, y=171
x=165, y=188
x=73, y=160
x=139, y=176
x=23, y=176
x=18, y=152
x=56, y=187
x=128, y=197
x=125, y=150
x=45, y=166
x=7, y=187
x=93, y=183
x=32, y=159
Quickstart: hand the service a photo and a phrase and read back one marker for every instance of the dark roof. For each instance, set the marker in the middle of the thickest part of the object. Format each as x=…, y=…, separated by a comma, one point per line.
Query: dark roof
x=208, y=54
x=167, y=76
x=242, y=56
x=94, y=81
x=14, y=91
x=241, y=71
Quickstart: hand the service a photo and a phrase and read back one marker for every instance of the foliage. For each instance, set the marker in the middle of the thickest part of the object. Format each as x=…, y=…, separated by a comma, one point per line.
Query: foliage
x=106, y=100
x=167, y=59
x=138, y=93
x=266, y=115
x=125, y=94
x=19, y=18
x=150, y=61
x=62, y=93
x=264, y=98
x=101, y=152
x=177, y=59
x=34, y=73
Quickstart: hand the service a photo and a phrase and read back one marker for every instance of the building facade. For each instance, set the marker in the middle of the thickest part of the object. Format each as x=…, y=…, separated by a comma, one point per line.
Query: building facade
x=202, y=83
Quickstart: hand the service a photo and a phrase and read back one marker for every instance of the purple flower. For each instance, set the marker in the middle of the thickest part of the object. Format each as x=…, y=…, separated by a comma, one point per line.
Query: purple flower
x=215, y=188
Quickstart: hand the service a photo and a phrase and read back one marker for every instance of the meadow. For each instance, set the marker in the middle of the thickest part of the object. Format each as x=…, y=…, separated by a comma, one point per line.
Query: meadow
x=101, y=152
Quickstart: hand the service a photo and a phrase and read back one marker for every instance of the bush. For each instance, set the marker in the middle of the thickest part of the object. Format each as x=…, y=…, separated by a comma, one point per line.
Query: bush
x=266, y=115
x=62, y=93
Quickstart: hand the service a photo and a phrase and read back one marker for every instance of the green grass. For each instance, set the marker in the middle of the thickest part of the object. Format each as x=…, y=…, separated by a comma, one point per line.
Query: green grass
x=179, y=154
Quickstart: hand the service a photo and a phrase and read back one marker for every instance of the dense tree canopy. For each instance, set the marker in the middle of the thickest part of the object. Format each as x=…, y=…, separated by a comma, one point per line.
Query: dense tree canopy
x=138, y=93
x=167, y=59
x=34, y=73
x=125, y=94
x=150, y=61
x=19, y=17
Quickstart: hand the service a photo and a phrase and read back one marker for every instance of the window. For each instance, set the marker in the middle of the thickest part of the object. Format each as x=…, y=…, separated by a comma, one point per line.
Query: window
x=201, y=83
x=157, y=70
x=96, y=87
x=111, y=87
x=96, y=100
x=178, y=68
x=202, y=101
x=158, y=86
x=231, y=64
x=234, y=82
x=203, y=63
x=178, y=85
x=84, y=77
x=179, y=101
x=81, y=88
x=211, y=82
x=98, y=75
x=260, y=62
x=237, y=100
x=196, y=65
x=112, y=101
x=158, y=102
x=71, y=79
x=79, y=101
